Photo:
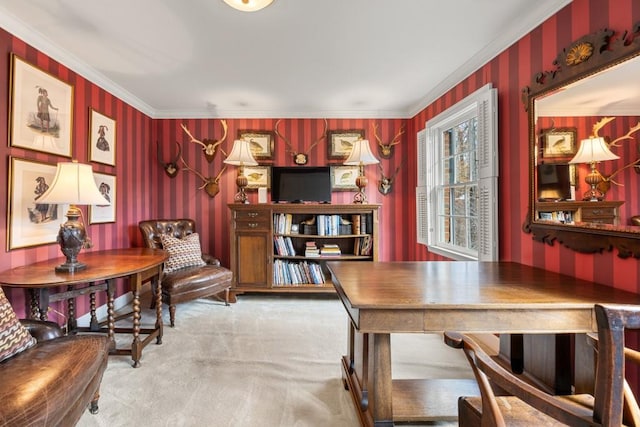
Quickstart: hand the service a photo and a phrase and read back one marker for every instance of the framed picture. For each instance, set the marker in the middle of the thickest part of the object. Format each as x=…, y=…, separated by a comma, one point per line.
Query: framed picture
x=260, y=141
x=343, y=178
x=559, y=142
x=258, y=176
x=41, y=106
x=31, y=223
x=341, y=142
x=102, y=138
x=99, y=214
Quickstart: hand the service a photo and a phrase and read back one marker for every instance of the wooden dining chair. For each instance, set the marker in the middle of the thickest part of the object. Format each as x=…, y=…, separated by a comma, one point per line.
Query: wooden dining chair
x=505, y=399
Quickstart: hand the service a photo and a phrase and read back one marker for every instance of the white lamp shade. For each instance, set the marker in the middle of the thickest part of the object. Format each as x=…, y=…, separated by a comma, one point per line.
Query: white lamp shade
x=361, y=154
x=241, y=154
x=593, y=149
x=73, y=184
x=248, y=5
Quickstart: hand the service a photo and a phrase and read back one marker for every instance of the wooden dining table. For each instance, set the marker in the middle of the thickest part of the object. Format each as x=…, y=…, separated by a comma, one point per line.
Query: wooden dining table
x=383, y=298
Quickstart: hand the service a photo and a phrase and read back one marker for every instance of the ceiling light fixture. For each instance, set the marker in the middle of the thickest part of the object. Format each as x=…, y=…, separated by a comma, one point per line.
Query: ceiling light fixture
x=248, y=5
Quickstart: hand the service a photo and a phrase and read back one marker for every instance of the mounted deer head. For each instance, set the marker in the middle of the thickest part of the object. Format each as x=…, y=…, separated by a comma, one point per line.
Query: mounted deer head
x=386, y=150
x=171, y=168
x=210, y=185
x=385, y=182
x=301, y=158
x=209, y=146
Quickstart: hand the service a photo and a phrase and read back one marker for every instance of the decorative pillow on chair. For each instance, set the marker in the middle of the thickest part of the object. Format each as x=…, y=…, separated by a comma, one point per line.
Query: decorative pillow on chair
x=182, y=252
x=14, y=337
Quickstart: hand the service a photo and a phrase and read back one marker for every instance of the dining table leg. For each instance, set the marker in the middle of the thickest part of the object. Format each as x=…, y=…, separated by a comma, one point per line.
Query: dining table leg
x=382, y=383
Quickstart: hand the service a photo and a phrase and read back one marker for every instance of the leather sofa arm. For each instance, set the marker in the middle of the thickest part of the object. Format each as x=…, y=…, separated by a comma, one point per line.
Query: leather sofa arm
x=211, y=260
x=42, y=330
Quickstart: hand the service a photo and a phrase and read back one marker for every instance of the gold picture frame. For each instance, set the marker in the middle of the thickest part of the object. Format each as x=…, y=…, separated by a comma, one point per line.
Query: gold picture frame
x=261, y=142
x=340, y=142
x=102, y=138
x=258, y=177
x=101, y=214
x=29, y=223
x=41, y=110
x=343, y=178
x=560, y=142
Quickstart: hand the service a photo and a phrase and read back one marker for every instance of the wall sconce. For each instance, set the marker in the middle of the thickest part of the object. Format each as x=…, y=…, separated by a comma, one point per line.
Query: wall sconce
x=248, y=5
x=240, y=156
x=592, y=150
x=73, y=184
x=361, y=155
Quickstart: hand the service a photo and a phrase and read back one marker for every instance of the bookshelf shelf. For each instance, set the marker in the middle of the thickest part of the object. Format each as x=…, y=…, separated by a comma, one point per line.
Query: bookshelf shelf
x=266, y=256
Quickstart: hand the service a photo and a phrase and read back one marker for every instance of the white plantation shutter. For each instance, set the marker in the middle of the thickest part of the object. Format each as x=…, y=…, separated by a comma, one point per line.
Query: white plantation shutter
x=488, y=176
x=421, y=138
x=422, y=217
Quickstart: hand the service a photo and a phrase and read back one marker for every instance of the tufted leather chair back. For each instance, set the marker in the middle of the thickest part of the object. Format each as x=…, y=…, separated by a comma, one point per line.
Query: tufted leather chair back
x=153, y=228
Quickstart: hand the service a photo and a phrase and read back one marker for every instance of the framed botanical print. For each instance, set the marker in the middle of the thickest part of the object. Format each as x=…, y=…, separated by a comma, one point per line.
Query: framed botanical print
x=102, y=138
x=258, y=176
x=260, y=141
x=41, y=115
x=99, y=214
x=340, y=142
x=560, y=142
x=31, y=223
x=343, y=178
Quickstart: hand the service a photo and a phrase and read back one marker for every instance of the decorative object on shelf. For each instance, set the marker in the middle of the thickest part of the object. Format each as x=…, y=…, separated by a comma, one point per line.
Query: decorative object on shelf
x=41, y=110
x=171, y=168
x=385, y=182
x=258, y=176
x=300, y=158
x=31, y=223
x=101, y=214
x=386, y=150
x=341, y=142
x=74, y=184
x=343, y=178
x=361, y=155
x=593, y=150
x=241, y=156
x=209, y=146
x=559, y=142
x=260, y=141
x=210, y=185
x=102, y=138
x=248, y=5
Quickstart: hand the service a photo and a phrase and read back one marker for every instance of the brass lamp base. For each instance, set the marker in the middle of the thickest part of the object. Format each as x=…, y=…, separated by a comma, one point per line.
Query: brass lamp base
x=241, y=182
x=361, y=183
x=71, y=238
x=593, y=179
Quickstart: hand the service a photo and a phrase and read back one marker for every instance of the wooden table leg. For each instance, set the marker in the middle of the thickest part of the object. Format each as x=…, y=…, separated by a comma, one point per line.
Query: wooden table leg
x=136, y=345
x=381, y=381
x=111, y=323
x=158, y=288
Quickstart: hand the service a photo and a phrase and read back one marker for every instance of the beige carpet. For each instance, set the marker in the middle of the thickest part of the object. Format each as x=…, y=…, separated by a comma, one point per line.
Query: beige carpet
x=264, y=361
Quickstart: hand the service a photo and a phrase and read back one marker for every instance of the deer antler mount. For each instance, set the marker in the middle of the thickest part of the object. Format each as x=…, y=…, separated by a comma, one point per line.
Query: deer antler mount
x=171, y=168
x=209, y=146
x=385, y=182
x=210, y=185
x=298, y=157
x=386, y=150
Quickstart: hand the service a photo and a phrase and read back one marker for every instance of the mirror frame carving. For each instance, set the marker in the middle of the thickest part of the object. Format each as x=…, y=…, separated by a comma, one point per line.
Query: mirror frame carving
x=584, y=57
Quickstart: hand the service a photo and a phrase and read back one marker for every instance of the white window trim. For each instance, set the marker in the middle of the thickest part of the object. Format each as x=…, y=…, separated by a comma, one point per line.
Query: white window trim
x=483, y=104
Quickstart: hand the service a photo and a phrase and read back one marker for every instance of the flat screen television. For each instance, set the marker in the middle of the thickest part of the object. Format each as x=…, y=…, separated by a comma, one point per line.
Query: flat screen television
x=554, y=182
x=299, y=184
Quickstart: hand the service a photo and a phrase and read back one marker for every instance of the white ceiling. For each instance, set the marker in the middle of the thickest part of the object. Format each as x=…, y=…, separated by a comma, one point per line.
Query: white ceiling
x=296, y=58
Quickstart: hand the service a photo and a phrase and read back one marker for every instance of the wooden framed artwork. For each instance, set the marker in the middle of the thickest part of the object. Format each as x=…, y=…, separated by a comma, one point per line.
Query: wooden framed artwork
x=100, y=214
x=31, y=223
x=261, y=142
x=258, y=176
x=341, y=142
x=343, y=178
x=41, y=115
x=102, y=138
x=559, y=142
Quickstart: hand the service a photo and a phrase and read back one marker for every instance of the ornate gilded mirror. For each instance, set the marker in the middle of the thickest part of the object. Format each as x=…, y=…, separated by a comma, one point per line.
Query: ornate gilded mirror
x=589, y=103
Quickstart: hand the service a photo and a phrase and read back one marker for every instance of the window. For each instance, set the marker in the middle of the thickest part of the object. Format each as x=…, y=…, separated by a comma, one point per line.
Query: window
x=457, y=192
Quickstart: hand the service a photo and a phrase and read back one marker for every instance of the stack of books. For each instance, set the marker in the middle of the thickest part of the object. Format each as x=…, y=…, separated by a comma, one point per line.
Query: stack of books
x=311, y=250
x=329, y=249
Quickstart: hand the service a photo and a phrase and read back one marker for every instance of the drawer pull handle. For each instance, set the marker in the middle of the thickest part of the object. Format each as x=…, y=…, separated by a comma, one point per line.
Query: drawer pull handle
x=252, y=225
x=596, y=211
x=252, y=214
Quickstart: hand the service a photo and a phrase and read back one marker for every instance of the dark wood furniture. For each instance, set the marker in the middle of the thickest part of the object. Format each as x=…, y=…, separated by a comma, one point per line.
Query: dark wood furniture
x=525, y=404
x=138, y=265
x=52, y=383
x=430, y=297
x=604, y=212
x=253, y=231
x=190, y=283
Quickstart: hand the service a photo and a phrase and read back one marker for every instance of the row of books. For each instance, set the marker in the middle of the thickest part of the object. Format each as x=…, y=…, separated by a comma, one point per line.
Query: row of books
x=362, y=224
x=284, y=246
x=330, y=249
x=363, y=246
x=564, y=217
x=282, y=223
x=297, y=273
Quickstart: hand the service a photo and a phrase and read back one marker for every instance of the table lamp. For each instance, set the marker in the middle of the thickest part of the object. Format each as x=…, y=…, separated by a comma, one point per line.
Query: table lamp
x=361, y=155
x=240, y=156
x=592, y=150
x=73, y=184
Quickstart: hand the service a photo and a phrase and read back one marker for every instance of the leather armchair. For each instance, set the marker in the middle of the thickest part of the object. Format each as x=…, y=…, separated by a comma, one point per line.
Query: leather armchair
x=189, y=283
x=53, y=382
